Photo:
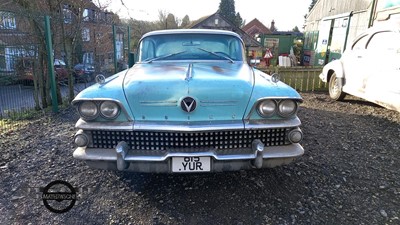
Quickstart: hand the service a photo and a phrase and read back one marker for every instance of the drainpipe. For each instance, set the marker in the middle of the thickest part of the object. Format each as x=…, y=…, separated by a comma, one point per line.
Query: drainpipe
x=371, y=16
x=347, y=31
x=115, y=48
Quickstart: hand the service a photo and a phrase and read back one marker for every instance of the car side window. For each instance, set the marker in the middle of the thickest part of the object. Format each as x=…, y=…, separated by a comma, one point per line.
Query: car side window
x=384, y=41
x=360, y=44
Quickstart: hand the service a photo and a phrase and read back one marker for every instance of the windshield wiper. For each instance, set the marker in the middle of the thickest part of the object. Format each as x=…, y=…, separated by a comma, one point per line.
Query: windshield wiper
x=220, y=56
x=163, y=57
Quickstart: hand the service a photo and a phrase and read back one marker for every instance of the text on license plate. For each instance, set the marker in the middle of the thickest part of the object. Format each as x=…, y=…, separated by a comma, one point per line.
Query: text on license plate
x=191, y=164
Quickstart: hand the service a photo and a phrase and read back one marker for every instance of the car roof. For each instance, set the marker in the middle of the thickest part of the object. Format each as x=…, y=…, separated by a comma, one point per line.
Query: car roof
x=376, y=29
x=192, y=31
x=372, y=30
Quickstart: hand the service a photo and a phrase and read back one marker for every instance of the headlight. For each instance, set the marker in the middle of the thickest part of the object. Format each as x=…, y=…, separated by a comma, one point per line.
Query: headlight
x=81, y=140
x=88, y=110
x=287, y=108
x=295, y=136
x=266, y=108
x=109, y=109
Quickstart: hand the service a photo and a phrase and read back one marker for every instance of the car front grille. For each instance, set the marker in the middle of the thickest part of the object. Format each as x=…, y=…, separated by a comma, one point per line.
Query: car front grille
x=150, y=140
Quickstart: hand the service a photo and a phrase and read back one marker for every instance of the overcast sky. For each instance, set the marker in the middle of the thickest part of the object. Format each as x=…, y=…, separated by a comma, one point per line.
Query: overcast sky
x=286, y=13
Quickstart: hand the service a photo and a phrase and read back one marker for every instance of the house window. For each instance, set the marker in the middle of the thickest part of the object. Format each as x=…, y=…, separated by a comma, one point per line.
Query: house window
x=108, y=17
x=101, y=17
x=89, y=15
x=85, y=15
x=10, y=55
x=88, y=58
x=2, y=59
x=119, y=42
x=7, y=21
x=67, y=13
x=85, y=34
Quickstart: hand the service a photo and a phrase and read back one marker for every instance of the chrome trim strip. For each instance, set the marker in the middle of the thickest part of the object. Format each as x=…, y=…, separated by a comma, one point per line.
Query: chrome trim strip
x=280, y=98
x=193, y=31
x=194, y=61
x=76, y=101
x=188, y=126
x=278, y=123
x=159, y=103
x=275, y=152
x=189, y=72
x=218, y=103
x=104, y=125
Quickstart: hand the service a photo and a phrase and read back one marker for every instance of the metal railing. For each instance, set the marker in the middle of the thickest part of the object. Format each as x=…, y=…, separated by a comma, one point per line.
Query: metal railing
x=25, y=89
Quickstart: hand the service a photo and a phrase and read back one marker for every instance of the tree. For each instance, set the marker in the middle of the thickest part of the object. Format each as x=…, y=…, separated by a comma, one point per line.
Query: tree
x=139, y=28
x=171, y=22
x=238, y=20
x=66, y=29
x=185, y=22
x=227, y=9
x=312, y=5
x=166, y=20
x=295, y=29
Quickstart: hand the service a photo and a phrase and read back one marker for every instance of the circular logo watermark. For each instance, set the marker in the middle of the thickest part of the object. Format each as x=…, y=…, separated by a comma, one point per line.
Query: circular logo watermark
x=59, y=196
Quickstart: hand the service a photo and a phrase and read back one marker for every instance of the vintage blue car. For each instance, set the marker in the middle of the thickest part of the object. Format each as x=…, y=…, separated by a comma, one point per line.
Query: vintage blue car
x=191, y=103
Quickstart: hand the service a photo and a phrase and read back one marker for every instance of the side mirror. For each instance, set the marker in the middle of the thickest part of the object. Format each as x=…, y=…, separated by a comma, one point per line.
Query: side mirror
x=131, y=59
x=254, y=62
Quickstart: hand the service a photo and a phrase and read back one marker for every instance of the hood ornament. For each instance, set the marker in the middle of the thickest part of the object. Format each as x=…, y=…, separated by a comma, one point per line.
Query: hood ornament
x=188, y=104
x=189, y=72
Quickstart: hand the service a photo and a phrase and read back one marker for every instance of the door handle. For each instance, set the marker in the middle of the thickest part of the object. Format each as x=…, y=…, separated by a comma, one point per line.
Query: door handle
x=360, y=57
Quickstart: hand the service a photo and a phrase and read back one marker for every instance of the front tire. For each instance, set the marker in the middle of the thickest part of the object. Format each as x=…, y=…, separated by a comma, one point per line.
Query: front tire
x=335, y=88
x=89, y=78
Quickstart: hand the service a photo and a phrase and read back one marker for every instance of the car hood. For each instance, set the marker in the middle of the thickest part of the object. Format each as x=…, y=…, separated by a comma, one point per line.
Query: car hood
x=155, y=91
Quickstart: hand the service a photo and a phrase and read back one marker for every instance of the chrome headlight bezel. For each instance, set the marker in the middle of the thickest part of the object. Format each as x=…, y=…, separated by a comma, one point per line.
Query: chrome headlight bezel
x=104, y=107
x=88, y=110
x=287, y=108
x=267, y=108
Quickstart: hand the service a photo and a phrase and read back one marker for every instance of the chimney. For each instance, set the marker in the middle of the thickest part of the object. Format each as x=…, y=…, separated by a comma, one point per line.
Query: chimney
x=272, y=28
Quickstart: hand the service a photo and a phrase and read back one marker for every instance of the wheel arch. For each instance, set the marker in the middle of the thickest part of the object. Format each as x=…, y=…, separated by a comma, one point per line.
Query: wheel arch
x=335, y=67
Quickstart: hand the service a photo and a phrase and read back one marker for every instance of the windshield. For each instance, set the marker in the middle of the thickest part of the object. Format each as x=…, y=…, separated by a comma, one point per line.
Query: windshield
x=191, y=47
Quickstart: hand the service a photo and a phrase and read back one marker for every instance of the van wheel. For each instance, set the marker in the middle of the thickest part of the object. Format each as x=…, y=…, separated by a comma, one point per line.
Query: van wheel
x=335, y=89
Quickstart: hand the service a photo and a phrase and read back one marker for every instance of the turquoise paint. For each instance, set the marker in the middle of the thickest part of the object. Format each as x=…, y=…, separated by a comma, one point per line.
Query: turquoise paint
x=111, y=89
x=265, y=88
x=222, y=90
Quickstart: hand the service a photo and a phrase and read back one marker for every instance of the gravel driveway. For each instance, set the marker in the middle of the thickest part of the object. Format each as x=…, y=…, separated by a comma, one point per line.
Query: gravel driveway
x=349, y=175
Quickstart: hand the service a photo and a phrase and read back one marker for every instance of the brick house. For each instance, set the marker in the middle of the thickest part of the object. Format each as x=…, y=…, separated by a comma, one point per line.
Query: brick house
x=88, y=34
x=217, y=21
x=255, y=28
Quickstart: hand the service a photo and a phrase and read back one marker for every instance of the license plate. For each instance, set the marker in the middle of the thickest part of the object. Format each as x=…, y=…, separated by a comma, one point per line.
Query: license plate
x=191, y=164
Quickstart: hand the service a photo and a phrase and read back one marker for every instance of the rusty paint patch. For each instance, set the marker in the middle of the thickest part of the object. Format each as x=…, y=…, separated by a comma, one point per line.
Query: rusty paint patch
x=217, y=69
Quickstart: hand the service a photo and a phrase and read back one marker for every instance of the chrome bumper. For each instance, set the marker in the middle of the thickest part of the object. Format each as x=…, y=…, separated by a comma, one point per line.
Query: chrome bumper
x=123, y=159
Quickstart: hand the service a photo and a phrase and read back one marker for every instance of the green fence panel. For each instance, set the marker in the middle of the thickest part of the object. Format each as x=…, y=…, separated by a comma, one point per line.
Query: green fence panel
x=300, y=78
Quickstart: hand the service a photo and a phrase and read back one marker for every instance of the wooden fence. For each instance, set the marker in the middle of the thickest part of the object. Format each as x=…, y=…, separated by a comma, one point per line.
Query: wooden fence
x=300, y=78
